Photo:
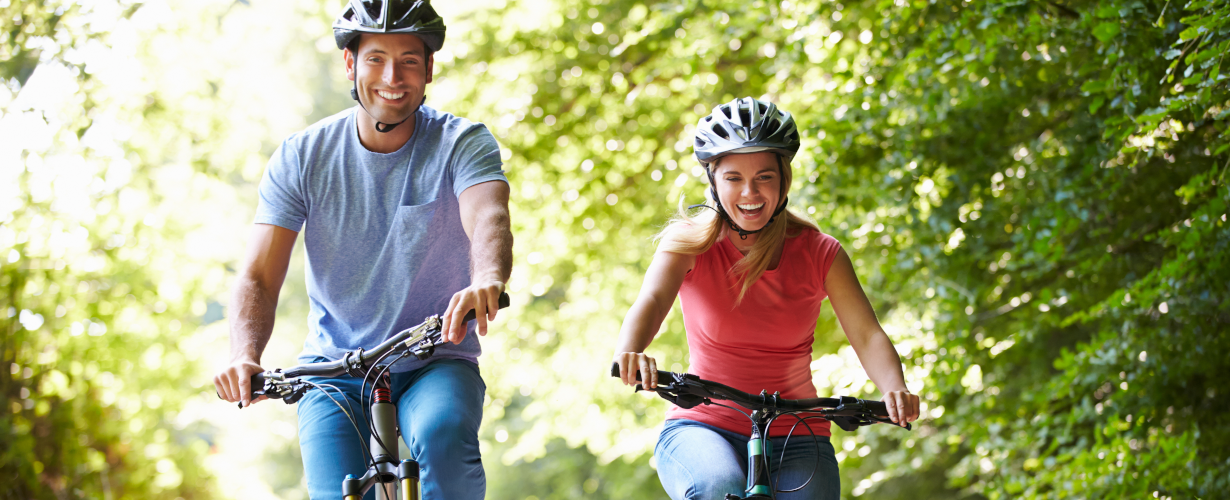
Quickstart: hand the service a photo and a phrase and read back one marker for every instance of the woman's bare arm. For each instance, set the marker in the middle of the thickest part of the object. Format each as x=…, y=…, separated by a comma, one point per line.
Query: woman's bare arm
x=641, y=324
x=873, y=347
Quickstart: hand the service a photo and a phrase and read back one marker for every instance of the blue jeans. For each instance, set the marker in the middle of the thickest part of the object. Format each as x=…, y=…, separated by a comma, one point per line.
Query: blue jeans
x=439, y=407
x=700, y=462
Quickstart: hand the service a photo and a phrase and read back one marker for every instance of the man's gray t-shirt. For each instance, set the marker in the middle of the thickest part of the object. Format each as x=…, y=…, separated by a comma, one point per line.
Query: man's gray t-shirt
x=382, y=232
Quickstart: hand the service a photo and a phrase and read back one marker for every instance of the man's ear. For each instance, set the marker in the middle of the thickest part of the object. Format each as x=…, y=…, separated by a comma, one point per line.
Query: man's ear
x=431, y=62
x=349, y=57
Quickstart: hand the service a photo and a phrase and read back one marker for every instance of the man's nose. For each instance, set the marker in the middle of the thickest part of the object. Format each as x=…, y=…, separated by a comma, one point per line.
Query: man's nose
x=391, y=76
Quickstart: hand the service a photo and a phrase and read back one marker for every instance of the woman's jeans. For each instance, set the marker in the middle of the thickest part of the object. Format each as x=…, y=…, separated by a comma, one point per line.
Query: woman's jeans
x=439, y=407
x=701, y=462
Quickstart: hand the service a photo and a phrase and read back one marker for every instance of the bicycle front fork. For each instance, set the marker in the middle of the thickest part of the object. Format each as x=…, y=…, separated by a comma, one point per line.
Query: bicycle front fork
x=386, y=472
x=407, y=474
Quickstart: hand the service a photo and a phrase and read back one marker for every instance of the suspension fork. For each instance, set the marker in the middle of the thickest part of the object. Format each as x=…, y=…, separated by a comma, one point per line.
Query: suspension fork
x=386, y=470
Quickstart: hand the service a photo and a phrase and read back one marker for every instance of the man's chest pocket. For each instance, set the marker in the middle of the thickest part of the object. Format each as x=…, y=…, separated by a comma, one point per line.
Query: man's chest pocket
x=411, y=228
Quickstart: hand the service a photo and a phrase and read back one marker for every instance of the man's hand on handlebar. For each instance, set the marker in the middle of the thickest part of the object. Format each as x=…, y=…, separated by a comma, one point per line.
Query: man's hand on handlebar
x=483, y=297
x=632, y=362
x=234, y=383
x=902, y=406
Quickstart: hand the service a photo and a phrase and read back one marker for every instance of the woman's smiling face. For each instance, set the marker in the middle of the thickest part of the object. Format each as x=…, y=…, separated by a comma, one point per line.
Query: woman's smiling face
x=749, y=186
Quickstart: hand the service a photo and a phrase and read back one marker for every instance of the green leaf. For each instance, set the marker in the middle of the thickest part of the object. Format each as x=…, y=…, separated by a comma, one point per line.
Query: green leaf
x=1173, y=53
x=1096, y=104
x=1106, y=31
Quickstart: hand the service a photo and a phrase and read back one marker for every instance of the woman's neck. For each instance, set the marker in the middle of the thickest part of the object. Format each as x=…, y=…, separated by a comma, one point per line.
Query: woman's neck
x=742, y=245
x=745, y=246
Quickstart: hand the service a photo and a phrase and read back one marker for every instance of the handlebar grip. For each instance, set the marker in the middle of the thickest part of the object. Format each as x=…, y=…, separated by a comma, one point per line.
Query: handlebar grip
x=503, y=302
x=877, y=408
x=258, y=384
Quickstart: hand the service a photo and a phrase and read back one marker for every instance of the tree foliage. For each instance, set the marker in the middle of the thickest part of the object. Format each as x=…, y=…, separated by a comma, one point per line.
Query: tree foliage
x=1033, y=193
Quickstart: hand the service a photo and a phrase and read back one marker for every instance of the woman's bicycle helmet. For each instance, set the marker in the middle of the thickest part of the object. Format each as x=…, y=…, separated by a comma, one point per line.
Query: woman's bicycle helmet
x=745, y=125
x=415, y=17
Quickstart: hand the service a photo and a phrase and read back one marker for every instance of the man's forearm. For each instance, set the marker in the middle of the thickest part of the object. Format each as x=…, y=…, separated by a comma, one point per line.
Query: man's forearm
x=491, y=250
x=251, y=319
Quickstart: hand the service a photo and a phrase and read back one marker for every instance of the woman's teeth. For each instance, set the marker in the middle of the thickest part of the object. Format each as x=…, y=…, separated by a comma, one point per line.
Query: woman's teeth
x=390, y=95
x=751, y=207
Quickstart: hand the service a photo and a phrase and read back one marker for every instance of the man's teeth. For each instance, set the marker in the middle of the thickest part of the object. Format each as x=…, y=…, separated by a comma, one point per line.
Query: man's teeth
x=751, y=207
x=388, y=95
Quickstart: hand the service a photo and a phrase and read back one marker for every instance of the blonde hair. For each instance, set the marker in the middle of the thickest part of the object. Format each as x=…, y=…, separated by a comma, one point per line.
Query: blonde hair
x=689, y=235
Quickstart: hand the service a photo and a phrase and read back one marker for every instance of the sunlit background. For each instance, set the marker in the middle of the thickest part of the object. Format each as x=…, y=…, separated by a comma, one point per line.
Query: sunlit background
x=1034, y=197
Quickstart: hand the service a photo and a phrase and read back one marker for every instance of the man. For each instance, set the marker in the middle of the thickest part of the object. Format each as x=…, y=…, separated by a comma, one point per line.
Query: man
x=404, y=211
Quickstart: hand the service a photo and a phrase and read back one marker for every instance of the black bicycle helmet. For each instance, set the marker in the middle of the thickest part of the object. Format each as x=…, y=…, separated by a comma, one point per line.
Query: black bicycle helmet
x=393, y=16
x=415, y=17
x=745, y=125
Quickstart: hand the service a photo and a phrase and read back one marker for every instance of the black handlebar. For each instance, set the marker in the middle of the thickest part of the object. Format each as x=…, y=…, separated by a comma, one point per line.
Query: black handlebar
x=353, y=361
x=687, y=390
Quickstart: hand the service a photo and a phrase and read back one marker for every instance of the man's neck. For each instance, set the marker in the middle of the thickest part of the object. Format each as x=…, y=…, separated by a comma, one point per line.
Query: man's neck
x=383, y=142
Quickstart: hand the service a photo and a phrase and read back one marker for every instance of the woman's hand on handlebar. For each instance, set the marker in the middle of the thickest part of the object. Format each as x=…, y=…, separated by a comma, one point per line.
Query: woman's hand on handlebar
x=630, y=363
x=234, y=383
x=902, y=406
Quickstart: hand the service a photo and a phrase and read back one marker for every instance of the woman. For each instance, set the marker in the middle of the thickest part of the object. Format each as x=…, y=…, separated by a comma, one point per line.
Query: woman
x=751, y=278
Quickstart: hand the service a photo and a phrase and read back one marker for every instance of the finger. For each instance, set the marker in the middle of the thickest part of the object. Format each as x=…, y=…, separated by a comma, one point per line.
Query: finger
x=892, y=408
x=449, y=318
x=915, y=412
x=218, y=387
x=629, y=369
x=228, y=392
x=245, y=390
x=454, y=319
x=480, y=314
x=493, y=304
x=653, y=373
x=645, y=371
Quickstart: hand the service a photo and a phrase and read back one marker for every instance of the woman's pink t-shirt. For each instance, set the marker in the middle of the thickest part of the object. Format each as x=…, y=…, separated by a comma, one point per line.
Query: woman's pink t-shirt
x=764, y=342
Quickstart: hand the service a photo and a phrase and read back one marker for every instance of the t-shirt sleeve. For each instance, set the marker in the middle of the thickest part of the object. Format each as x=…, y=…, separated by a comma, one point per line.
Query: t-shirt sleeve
x=826, y=251
x=282, y=199
x=476, y=159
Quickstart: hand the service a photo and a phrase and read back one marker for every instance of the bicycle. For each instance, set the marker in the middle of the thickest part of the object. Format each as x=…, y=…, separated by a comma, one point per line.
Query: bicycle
x=384, y=465
x=686, y=390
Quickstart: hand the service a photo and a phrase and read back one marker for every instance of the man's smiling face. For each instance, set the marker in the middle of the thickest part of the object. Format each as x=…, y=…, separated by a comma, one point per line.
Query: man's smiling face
x=391, y=73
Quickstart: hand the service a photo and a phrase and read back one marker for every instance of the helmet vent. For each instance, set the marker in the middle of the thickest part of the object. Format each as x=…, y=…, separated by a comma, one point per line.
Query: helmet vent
x=721, y=132
x=373, y=9
x=745, y=115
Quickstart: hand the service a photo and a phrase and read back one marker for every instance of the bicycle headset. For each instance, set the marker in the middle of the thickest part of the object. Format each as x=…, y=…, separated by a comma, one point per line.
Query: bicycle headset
x=393, y=16
x=745, y=125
